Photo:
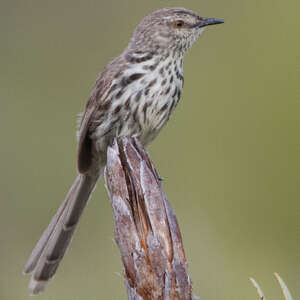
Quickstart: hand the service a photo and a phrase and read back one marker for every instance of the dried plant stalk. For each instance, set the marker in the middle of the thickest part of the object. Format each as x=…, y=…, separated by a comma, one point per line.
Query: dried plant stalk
x=146, y=229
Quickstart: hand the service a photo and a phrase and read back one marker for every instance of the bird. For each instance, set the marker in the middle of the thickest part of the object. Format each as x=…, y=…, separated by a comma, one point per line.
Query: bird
x=133, y=96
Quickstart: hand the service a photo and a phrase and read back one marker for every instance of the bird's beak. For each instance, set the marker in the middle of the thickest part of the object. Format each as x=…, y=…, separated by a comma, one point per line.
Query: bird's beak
x=210, y=21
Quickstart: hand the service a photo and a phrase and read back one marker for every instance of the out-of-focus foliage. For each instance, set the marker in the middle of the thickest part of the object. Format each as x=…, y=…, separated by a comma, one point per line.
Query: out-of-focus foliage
x=258, y=289
x=229, y=155
x=284, y=288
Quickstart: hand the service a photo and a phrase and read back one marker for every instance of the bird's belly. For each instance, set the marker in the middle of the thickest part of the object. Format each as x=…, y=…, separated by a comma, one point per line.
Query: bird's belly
x=153, y=113
x=140, y=112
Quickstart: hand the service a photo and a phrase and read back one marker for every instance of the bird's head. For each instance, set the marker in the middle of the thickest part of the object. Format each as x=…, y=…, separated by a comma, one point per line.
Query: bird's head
x=170, y=28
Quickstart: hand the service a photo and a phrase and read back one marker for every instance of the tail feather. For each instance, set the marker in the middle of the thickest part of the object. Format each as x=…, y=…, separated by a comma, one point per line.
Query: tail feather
x=50, y=249
x=40, y=246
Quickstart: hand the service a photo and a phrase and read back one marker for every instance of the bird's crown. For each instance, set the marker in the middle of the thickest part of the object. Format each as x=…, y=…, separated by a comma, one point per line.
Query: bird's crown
x=170, y=28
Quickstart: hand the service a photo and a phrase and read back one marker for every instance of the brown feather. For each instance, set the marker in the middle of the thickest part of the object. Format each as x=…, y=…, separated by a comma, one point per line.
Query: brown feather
x=101, y=90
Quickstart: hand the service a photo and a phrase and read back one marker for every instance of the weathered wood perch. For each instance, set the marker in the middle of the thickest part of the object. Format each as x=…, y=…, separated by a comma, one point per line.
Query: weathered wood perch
x=146, y=229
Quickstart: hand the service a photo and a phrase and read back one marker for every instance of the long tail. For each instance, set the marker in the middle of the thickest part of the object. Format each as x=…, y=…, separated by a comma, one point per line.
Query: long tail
x=51, y=247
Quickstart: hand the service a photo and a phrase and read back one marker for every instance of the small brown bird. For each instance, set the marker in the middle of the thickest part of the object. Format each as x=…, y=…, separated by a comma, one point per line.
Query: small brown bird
x=134, y=97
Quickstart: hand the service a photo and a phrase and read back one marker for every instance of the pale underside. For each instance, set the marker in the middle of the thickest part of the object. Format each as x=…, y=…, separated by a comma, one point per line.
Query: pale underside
x=137, y=103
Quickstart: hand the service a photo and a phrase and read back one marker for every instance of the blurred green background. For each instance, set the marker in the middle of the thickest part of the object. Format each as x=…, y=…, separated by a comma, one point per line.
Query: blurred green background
x=230, y=153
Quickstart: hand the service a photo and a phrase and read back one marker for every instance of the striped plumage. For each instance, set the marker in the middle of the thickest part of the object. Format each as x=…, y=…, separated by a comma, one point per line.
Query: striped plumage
x=133, y=96
x=142, y=97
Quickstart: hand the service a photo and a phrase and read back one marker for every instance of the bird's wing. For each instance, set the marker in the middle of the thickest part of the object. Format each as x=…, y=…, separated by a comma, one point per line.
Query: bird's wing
x=99, y=94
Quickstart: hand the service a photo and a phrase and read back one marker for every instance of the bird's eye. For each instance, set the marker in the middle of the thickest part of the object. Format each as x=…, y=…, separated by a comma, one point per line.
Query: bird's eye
x=179, y=24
